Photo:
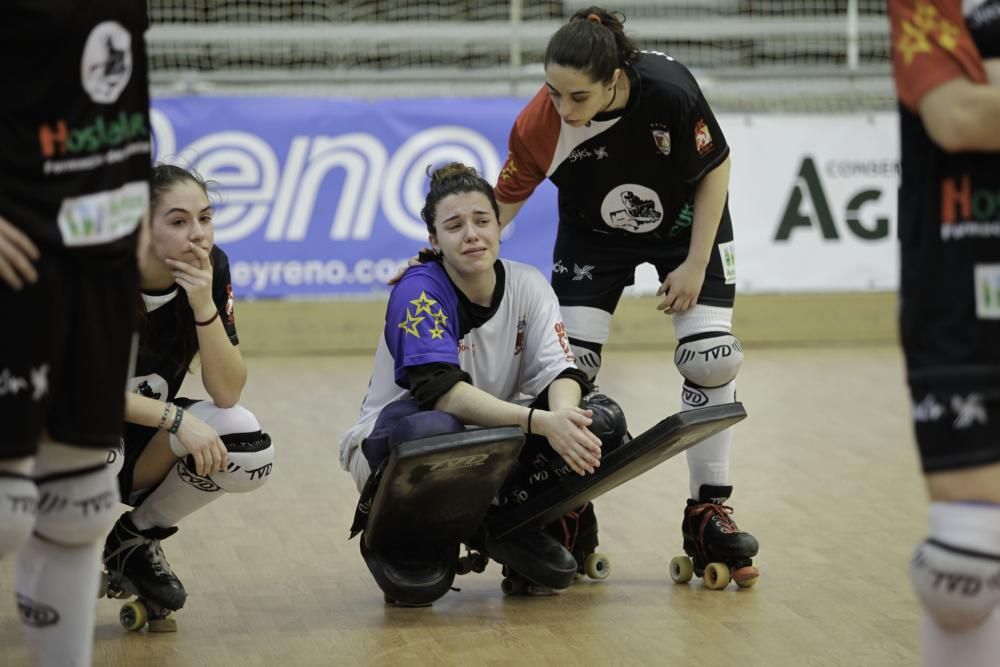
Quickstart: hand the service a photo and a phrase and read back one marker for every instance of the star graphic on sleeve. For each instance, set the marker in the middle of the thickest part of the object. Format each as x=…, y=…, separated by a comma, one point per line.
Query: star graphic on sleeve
x=423, y=304
x=410, y=325
x=437, y=332
x=440, y=318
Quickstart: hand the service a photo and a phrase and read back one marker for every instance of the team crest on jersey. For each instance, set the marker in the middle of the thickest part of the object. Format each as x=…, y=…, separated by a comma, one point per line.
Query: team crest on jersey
x=661, y=137
x=522, y=328
x=632, y=207
x=106, y=65
x=230, y=301
x=703, y=139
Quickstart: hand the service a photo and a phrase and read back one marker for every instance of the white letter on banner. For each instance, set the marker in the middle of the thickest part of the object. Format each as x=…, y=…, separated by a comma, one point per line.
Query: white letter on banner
x=406, y=180
x=363, y=158
x=164, y=141
x=286, y=189
x=236, y=160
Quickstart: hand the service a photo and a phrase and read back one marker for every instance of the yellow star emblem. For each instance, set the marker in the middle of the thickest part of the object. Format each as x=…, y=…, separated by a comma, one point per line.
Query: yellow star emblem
x=423, y=304
x=410, y=325
x=440, y=318
x=437, y=332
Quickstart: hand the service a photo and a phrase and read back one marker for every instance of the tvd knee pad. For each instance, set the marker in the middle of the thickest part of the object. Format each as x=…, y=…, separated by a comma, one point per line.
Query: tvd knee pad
x=709, y=360
x=956, y=571
x=608, y=419
x=77, y=507
x=18, y=498
x=251, y=459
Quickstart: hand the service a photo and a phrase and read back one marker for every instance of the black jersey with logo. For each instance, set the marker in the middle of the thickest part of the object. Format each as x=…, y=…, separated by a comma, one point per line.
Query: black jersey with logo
x=949, y=203
x=631, y=173
x=162, y=363
x=74, y=122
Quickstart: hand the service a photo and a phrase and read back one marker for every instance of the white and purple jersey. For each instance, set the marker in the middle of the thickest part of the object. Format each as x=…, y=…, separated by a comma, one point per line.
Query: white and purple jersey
x=512, y=349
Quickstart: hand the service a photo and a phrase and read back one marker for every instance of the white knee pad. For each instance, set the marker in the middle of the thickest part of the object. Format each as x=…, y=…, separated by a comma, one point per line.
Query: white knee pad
x=251, y=454
x=956, y=571
x=18, y=499
x=709, y=360
x=590, y=325
x=77, y=495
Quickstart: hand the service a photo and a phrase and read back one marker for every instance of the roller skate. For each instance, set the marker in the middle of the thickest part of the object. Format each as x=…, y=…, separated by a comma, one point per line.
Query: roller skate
x=135, y=565
x=717, y=551
x=534, y=563
x=577, y=530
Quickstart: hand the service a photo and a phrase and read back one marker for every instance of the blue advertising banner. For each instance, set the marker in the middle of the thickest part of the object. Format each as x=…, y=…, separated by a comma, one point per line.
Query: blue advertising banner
x=322, y=197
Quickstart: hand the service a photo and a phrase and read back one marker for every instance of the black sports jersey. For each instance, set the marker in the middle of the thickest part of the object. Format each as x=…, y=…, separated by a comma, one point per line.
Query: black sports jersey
x=159, y=370
x=628, y=172
x=949, y=209
x=74, y=122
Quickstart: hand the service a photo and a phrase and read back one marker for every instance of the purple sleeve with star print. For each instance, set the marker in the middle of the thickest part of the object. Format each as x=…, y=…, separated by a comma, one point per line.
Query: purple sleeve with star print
x=421, y=321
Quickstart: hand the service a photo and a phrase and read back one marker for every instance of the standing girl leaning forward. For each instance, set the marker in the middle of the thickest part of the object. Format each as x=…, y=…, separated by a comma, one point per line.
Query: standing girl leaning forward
x=642, y=170
x=180, y=454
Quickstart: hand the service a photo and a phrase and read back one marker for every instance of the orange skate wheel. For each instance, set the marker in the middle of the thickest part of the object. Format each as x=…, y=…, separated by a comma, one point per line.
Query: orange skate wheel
x=717, y=576
x=597, y=566
x=746, y=577
x=133, y=615
x=681, y=569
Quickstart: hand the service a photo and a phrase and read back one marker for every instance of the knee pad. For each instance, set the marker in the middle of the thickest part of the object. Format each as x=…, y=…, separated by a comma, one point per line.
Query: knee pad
x=608, y=420
x=956, y=571
x=709, y=360
x=251, y=454
x=77, y=507
x=18, y=499
x=587, y=356
x=251, y=459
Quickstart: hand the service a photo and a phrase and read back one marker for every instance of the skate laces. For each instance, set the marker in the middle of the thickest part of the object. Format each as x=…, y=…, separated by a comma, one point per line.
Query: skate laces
x=717, y=514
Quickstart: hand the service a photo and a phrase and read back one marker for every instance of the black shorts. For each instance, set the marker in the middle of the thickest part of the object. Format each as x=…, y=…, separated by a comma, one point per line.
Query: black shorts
x=590, y=268
x=950, y=329
x=131, y=446
x=64, y=355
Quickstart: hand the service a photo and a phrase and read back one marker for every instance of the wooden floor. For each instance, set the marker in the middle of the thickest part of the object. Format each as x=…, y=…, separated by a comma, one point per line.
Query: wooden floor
x=826, y=477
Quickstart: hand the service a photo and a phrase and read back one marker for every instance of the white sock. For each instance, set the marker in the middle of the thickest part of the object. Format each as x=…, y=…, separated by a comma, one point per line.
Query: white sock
x=181, y=493
x=57, y=596
x=978, y=647
x=708, y=461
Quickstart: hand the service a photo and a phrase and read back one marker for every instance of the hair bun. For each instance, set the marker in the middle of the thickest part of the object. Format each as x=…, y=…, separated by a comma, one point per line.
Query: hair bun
x=451, y=170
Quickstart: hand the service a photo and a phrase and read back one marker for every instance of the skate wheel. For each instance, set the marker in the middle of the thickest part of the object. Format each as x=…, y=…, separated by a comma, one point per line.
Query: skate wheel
x=133, y=615
x=746, y=577
x=464, y=565
x=681, y=569
x=597, y=566
x=479, y=562
x=165, y=624
x=717, y=576
x=511, y=586
x=103, y=583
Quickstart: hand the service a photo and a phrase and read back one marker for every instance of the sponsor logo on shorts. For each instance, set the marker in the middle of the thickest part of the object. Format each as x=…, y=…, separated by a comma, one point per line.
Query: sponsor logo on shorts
x=559, y=268
x=965, y=410
x=106, y=64
x=987, y=277
x=727, y=253
x=35, y=614
x=581, y=272
x=563, y=339
x=37, y=381
x=632, y=207
x=598, y=153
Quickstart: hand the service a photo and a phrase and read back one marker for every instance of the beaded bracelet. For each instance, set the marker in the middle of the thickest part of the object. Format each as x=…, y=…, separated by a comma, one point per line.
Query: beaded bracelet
x=163, y=417
x=178, y=416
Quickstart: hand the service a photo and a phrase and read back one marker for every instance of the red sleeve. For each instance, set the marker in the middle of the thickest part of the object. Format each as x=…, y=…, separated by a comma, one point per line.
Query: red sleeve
x=530, y=149
x=930, y=46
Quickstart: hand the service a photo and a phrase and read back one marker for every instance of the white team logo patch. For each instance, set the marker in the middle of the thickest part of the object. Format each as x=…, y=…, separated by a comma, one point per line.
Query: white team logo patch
x=106, y=66
x=662, y=140
x=987, y=277
x=632, y=207
x=150, y=386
